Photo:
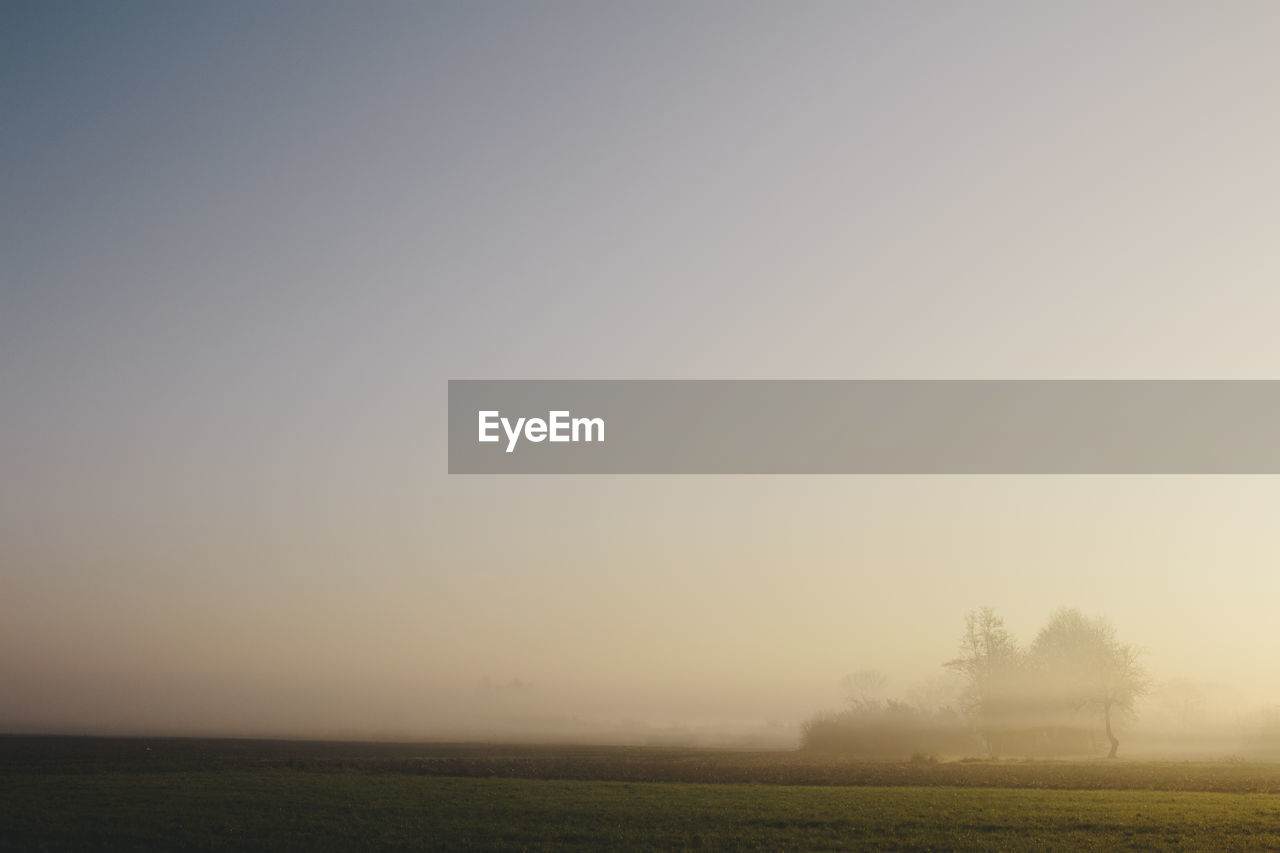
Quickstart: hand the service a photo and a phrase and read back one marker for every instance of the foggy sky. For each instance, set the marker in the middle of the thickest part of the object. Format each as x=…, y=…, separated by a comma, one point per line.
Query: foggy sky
x=243, y=247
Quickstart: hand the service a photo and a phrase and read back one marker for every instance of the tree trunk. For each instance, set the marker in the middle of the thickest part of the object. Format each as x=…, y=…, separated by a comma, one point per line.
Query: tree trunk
x=1115, y=744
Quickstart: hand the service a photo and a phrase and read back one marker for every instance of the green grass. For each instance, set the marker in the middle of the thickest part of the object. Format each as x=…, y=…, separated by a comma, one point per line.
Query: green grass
x=298, y=810
x=208, y=794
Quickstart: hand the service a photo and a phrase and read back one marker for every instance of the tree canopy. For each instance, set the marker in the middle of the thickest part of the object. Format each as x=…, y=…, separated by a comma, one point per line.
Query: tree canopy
x=1074, y=670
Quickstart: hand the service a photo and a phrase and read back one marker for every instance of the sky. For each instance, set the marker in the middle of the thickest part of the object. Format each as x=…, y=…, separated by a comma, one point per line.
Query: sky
x=244, y=246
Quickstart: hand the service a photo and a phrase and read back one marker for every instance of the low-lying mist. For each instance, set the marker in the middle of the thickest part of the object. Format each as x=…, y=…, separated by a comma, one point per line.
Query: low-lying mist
x=1078, y=690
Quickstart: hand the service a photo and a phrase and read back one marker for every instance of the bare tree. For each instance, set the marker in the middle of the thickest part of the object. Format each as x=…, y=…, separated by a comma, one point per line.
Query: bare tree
x=990, y=665
x=1082, y=664
x=864, y=686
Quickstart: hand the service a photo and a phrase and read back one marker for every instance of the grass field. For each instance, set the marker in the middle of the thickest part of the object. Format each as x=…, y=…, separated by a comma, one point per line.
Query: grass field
x=76, y=794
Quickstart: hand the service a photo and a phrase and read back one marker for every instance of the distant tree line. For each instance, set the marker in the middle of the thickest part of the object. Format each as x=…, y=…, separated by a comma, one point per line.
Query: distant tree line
x=1060, y=696
x=889, y=728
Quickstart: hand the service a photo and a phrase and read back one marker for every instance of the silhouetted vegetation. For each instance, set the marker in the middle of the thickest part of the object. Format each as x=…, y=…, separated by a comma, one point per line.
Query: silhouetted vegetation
x=890, y=729
x=1061, y=697
x=1078, y=664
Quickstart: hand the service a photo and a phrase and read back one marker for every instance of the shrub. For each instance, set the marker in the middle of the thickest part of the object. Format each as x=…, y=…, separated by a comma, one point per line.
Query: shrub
x=889, y=730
